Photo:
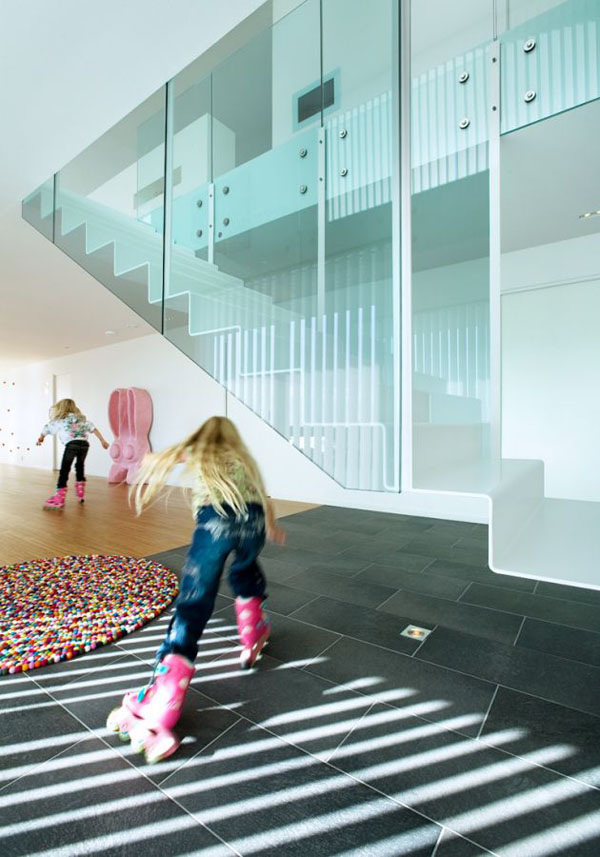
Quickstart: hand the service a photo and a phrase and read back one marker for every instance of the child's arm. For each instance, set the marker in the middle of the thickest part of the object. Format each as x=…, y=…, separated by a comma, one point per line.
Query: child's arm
x=100, y=438
x=49, y=428
x=274, y=533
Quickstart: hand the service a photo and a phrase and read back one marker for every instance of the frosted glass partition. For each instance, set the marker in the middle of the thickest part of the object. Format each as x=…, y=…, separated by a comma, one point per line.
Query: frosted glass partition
x=108, y=208
x=356, y=417
x=38, y=209
x=551, y=299
x=451, y=237
x=279, y=279
x=550, y=61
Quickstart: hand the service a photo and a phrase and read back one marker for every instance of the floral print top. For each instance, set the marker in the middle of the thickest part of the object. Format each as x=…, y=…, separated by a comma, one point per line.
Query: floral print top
x=70, y=428
x=238, y=474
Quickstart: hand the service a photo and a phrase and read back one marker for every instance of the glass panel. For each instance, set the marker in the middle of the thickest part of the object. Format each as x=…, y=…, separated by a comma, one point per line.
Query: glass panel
x=253, y=294
x=353, y=414
x=38, y=209
x=191, y=277
x=108, y=208
x=551, y=299
x=549, y=62
x=450, y=224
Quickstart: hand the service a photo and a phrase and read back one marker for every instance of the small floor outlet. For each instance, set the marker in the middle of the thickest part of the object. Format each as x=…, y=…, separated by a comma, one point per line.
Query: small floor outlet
x=415, y=632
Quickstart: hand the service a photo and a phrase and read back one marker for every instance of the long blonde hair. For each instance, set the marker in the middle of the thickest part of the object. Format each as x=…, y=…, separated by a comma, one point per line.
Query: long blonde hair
x=208, y=453
x=63, y=408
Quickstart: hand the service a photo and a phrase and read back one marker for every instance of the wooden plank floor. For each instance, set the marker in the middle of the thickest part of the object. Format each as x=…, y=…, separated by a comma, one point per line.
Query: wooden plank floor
x=105, y=523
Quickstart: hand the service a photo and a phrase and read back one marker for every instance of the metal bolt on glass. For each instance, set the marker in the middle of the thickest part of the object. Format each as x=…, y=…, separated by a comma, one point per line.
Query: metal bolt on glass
x=226, y=190
x=529, y=95
x=463, y=77
x=464, y=123
x=303, y=152
x=199, y=203
x=225, y=221
x=344, y=171
x=529, y=45
x=199, y=233
x=343, y=133
x=303, y=188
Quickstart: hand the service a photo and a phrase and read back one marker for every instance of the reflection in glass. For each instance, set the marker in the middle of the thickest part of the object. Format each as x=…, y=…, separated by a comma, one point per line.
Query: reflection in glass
x=450, y=250
x=108, y=208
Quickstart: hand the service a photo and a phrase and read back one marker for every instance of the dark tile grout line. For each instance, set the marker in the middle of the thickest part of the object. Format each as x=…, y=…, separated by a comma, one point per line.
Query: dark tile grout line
x=537, y=618
x=351, y=731
x=464, y=592
x=450, y=669
x=289, y=615
x=326, y=649
x=423, y=641
x=427, y=720
x=521, y=626
x=141, y=773
x=487, y=713
x=330, y=764
x=206, y=746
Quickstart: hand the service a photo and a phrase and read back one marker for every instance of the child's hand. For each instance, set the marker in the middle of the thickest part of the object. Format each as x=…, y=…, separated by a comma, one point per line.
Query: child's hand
x=39, y=441
x=276, y=535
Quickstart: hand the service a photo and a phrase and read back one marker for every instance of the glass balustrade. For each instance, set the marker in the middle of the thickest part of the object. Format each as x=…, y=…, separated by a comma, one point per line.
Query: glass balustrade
x=246, y=211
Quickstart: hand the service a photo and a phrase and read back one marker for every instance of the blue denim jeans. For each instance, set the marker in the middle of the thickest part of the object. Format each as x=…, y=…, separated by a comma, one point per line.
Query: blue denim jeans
x=215, y=537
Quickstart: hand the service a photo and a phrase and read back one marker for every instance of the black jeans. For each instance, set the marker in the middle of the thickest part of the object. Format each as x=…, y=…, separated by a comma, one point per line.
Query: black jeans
x=74, y=450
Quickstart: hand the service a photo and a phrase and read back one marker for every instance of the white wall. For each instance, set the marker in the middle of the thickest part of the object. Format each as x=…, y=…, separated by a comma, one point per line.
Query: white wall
x=551, y=384
x=183, y=396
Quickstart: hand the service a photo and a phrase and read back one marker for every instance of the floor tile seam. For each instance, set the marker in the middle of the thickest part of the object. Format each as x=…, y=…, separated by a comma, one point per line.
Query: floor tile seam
x=437, y=597
x=521, y=626
x=203, y=749
x=506, y=686
x=341, y=577
x=320, y=761
x=289, y=615
x=351, y=732
x=574, y=601
x=140, y=773
x=504, y=587
x=487, y=713
x=36, y=765
x=326, y=649
x=437, y=844
x=537, y=618
x=348, y=636
x=119, y=657
x=389, y=598
x=464, y=592
x=374, y=702
x=422, y=643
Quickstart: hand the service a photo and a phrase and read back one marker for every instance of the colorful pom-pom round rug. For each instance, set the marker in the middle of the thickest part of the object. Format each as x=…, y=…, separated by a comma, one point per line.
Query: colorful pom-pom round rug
x=52, y=610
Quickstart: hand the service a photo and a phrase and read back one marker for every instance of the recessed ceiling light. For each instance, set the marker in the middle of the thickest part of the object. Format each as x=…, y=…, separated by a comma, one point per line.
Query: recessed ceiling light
x=110, y=332
x=589, y=214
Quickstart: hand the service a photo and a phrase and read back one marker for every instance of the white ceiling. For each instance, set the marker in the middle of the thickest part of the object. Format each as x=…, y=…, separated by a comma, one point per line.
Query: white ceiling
x=70, y=69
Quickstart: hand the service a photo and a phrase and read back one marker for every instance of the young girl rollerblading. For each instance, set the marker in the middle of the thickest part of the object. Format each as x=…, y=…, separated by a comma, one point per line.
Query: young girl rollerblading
x=72, y=428
x=233, y=515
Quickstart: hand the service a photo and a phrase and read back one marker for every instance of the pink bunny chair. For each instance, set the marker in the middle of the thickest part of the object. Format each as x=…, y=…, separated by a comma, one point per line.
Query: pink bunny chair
x=130, y=418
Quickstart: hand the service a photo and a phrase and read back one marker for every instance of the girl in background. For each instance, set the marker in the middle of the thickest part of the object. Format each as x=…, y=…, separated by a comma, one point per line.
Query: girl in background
x=72, y=428
x=233, y=515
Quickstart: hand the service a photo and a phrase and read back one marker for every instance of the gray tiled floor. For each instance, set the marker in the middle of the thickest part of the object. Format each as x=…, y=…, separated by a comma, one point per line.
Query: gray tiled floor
x=349, y=739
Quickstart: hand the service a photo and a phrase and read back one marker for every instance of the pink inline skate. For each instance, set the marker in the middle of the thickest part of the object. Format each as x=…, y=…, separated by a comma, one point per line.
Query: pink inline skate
x=80, y=491
x=57, y=501
x=254, y=628
x=147, y=717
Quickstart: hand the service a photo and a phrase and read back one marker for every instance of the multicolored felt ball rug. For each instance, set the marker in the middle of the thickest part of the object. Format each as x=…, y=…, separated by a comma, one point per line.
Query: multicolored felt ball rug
x=52, y=610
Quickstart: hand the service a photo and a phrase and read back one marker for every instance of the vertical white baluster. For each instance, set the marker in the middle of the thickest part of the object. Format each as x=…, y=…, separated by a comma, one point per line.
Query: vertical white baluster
x=255, y=370
x=292, y=381
x=272, y=380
